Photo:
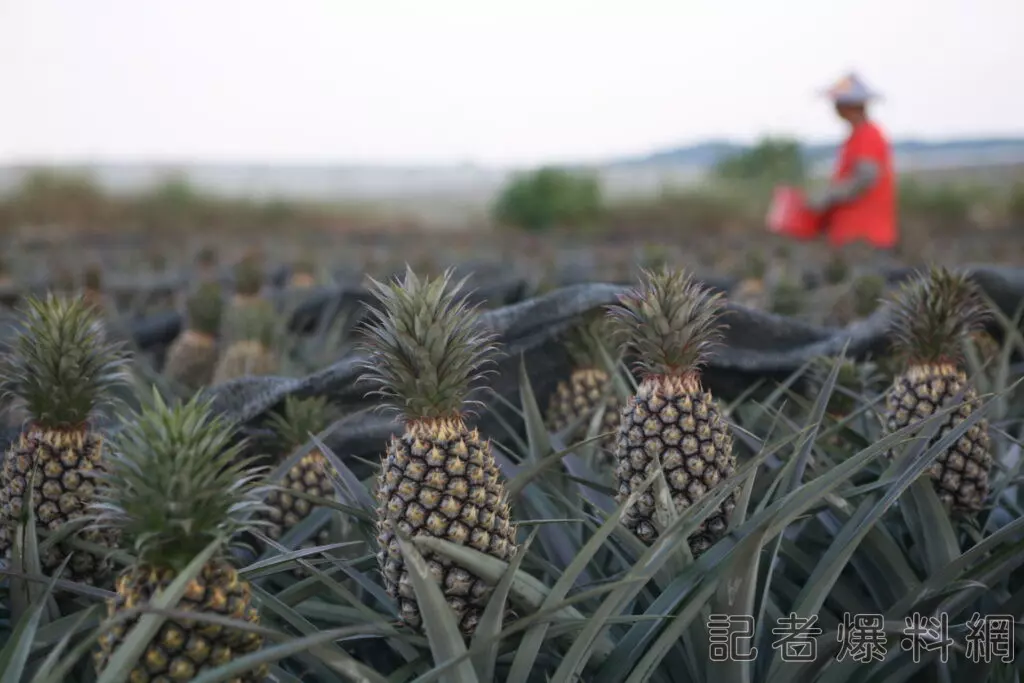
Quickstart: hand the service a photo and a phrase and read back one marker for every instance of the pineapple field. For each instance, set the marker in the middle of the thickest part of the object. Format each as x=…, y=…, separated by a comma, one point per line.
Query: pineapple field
x=383, y=459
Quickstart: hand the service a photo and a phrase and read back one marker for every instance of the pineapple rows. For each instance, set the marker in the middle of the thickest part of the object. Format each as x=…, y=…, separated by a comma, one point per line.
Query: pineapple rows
x=173, y=479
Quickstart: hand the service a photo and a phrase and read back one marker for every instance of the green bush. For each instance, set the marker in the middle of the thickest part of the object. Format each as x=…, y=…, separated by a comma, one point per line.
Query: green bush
x=547, y=198
x=772, y=159
x=942, y=206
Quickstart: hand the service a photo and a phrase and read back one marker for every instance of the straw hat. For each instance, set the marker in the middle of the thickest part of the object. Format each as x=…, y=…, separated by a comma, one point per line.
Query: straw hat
x=850, y=89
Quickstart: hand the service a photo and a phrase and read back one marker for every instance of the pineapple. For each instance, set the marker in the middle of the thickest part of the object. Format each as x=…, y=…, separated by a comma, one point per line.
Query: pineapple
x=439, y=478
x=249, y=280
x=92, y=287
x=934, y=314
x=192, y=358
x=61, y=369
x=195, y=489
x=303, y=274
x=670, y=324
x=206, y=265
x=588, y=388
x=854, y=378
x=310, y=475
x=250, y=327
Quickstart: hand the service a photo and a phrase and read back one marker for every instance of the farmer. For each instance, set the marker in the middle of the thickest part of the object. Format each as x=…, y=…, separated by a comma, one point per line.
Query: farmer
x=859, y=205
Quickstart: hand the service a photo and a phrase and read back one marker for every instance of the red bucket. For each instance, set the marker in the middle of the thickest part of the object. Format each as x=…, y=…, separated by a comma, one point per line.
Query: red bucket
x=789, y=214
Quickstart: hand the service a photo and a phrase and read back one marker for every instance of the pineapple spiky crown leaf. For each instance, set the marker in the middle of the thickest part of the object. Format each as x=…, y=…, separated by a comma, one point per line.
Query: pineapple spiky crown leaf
x=299, y=418
x=934, y=313
x=671, y=322
x=175, y=481
x=584, y=341
x=425, y=348
x=92, y=278
x=205, y=309
x=60, y=363
x=206, y=257
x=249, y=276
x=253, y=321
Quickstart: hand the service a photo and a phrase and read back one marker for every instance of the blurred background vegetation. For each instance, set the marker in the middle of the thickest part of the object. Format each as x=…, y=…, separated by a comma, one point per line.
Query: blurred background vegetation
x=730, y=200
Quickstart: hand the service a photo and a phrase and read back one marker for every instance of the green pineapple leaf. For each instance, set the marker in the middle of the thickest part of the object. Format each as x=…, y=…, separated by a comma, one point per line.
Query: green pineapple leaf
x=176, y=481
x=425, y=349
x=670, y=322
x=60, y=364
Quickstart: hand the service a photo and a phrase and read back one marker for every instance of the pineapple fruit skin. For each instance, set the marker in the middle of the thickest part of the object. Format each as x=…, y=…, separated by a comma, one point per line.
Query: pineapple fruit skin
x=960, y=475
x=180, y=651
x=58, y=466
x=243, y=359
x=439, y=479
x=577, y=399
x=192, y=359
x=309, y=476
x=672, y=421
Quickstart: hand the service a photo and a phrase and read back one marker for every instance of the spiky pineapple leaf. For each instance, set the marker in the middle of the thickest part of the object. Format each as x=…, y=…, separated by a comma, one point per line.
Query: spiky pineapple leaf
x=934, y=313
x=670, y=322
x=60, y=363
x=298, y=421
x=175, y=481
x=425, y=348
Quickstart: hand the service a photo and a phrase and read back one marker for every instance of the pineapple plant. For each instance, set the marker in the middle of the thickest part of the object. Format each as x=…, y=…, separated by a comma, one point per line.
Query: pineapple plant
x=192, y=357
x=196, y=490
x=206, y=265
x=249, y=281
x=670, y=324
x=250, y=342
x=60, y=369
x=788, y=296
x=303, y=275
x=933, y=315
x=310, y=475
x=439, y=478
x=92, y=288
x=250, y=327
x=588, y=389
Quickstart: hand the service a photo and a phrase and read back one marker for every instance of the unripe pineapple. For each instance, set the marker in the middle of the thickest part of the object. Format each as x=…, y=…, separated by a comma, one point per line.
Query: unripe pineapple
x=195, y=489
x=310, y=475
x=303, y=275
x=92, y=288
x=587, y=390
x=249, y=281
x=61, y=370
x=438, y=478
x=670, y=323
x=788, y=297
x=192, y=357
x=933, y=316
x=854, y=377
x=250, y=341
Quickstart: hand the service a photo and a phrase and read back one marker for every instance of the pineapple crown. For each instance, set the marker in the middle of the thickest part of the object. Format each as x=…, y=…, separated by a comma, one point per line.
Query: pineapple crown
x=206, y=257
x=583, y=341
x=92, y=278
x=934, y=313
x=249, y=276
x=174, y=482
x=424, y=345
x=867, y=292
x=670, y=322
x=299, y=418
x=252, y=321
x=205, y=309
x=60, y=364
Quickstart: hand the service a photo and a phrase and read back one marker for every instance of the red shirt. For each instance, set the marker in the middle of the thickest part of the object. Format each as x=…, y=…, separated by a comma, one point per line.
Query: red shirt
x=871, y=217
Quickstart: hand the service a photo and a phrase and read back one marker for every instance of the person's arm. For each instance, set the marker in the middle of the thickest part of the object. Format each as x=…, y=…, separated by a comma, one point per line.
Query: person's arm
x=865, y=175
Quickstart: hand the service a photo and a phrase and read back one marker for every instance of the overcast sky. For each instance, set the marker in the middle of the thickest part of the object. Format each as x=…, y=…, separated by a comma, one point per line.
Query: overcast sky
x=485, y=81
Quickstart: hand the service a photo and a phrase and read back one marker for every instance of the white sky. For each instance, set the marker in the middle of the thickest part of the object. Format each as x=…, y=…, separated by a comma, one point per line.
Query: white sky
x=486, y=81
